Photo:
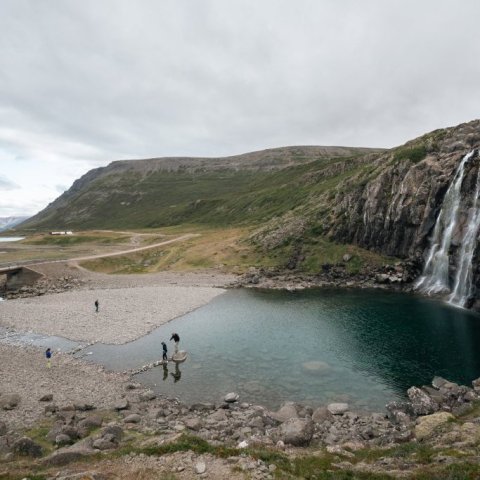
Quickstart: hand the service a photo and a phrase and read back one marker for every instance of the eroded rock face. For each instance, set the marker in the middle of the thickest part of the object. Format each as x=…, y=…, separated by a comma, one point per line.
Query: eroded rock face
x=392, y=206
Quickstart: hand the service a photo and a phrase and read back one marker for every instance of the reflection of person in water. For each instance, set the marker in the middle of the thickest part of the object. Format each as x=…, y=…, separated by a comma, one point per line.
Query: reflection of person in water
x=165, y=371
x=177, y=374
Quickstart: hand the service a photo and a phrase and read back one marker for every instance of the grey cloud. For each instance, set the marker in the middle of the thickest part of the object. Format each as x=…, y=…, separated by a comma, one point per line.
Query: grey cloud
x=89, y=82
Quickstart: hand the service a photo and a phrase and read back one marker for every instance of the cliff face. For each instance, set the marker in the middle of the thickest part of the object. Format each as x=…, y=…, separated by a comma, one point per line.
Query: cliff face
x=392, y=208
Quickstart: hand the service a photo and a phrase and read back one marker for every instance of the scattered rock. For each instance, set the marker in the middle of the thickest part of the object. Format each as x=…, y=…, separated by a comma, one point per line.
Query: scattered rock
x=121, y=404
x=321, y=414
x=62, y=439
x=286, y=411
x=9, y=401
x=337, y=408
x=200, y=467
x=133, y=418
x=46, y=398
x=194, y=423
x=422, y=403
x=297, y=432
x=231, y=397
x=25, y=446
x=147, y=396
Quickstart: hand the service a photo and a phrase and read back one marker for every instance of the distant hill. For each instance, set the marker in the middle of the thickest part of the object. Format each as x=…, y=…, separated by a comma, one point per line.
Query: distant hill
x=156, y=192
x=9, y=222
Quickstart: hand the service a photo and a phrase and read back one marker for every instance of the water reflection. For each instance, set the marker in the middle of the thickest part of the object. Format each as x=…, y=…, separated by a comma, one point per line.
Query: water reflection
x=312, y=346
x=177, y=374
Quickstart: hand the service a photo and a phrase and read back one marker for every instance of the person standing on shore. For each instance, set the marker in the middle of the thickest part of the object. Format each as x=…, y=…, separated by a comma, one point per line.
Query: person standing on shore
x=176, y=338
x=164, y=345
x=96, y=306
x=48, y=356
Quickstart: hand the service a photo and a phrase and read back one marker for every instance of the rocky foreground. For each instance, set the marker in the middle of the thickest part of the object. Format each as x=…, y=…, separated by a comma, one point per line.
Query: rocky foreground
x=138, y=434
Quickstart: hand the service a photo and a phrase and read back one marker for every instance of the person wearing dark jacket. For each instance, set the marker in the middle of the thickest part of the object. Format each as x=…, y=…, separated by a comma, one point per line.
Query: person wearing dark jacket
x=164, y=345
x=175, y=337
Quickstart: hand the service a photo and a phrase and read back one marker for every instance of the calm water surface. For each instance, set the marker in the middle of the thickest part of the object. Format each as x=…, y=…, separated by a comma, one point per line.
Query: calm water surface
x=11, y=239
x=317, y=346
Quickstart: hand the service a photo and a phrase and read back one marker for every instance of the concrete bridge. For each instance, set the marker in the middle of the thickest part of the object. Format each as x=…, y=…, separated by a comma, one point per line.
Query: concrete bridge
x=18, y=276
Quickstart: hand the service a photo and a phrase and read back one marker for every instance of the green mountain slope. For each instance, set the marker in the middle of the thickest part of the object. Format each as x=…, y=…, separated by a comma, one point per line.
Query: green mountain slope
x=246, y=189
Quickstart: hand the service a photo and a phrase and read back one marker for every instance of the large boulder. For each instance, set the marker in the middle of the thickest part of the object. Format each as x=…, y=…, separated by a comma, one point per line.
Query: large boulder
x=321, y=414
x=147, y=396
x=25, y=446
x=194, y=423
x=114, y=430
x=421, y=402
x=285, y=412
x=297, y=431
x=133, y=418
x=337, y=408
x=427, y=425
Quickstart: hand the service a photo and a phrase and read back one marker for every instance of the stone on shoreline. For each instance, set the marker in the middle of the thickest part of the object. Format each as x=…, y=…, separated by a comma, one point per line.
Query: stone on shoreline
x=422, y=403
x=297, y=432
x=337, y=408
x=231, y=397
x=285, y=412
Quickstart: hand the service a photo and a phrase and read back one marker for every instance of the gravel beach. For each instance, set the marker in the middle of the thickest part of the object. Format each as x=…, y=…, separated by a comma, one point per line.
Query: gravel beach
x=24, y=372
x=130, y=306
x=124, y=314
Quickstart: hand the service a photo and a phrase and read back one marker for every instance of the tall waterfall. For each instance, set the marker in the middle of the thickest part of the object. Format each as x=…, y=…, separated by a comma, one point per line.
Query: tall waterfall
x=463, y=279
x=435, y=278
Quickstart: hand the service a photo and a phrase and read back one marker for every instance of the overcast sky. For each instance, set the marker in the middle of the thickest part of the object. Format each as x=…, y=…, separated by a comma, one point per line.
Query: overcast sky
x=85, y=82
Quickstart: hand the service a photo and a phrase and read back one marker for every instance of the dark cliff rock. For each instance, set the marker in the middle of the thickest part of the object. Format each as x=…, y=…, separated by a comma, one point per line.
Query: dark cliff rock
x=395, y=210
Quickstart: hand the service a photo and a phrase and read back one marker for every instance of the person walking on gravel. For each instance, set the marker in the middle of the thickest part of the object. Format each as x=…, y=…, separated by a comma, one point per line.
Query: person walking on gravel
x=175, y=337
x=48, y=356
x=96, y=306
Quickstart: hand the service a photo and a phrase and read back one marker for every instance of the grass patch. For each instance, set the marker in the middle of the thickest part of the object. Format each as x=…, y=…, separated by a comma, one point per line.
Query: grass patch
x=415, y=153
x=38, y=435
x=217, y=248
x=420, y=452
x=456, y=471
